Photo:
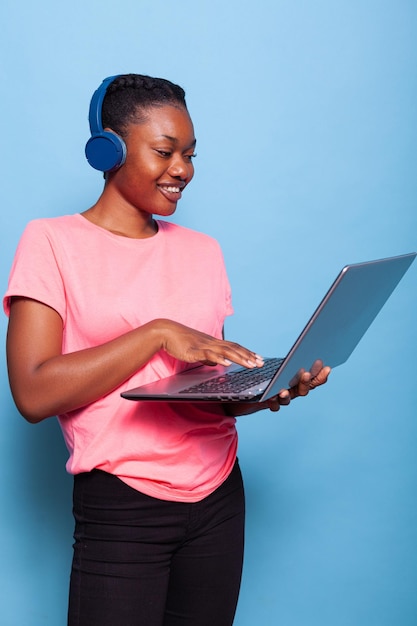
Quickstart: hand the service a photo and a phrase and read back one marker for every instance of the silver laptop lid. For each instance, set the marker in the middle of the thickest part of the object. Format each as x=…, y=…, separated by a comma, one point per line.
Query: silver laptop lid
x=342, y=318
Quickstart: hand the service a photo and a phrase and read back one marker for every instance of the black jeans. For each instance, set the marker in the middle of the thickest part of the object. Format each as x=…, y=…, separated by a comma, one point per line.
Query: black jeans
x=140, y=561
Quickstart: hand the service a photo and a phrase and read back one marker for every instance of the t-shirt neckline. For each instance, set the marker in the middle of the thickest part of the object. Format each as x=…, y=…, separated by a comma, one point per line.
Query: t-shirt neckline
x=120, y=238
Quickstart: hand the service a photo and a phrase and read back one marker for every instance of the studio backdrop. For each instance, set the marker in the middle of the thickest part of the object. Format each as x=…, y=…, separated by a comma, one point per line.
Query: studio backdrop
x=305, y=117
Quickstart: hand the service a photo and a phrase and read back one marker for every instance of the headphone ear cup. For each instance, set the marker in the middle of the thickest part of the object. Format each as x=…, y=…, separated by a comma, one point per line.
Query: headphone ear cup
x=105, y=151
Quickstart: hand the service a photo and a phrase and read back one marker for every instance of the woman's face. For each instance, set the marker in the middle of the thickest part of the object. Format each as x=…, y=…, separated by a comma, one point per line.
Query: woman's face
x=159, y=161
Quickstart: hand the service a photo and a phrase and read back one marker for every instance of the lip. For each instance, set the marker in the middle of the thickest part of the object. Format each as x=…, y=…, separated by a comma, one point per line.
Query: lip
x=171, y=191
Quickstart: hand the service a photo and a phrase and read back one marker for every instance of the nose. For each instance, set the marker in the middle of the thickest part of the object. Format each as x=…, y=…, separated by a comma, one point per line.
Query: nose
x=179, y=167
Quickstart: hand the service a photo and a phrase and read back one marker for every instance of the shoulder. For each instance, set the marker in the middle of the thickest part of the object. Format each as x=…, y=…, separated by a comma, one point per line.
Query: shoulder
x=45, y=238
x=49, y=226
x=55, y=233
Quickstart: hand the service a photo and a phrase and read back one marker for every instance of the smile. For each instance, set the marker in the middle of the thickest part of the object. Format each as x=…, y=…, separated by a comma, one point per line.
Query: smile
x=171, y=192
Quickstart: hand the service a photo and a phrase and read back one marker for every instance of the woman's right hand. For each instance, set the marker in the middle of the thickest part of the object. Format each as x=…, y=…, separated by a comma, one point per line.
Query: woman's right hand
x=192, y=346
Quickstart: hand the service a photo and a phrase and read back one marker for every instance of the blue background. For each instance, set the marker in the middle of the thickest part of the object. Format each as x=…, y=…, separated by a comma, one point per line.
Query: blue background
x=305, y=114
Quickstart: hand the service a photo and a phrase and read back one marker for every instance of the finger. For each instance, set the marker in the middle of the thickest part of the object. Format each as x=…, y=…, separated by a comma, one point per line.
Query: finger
x=242, y=356
x=284, y=397
x=273, y=404
x=296, y=378
x=320, y=378
x=316, y=367
x=212, y=363
x=303, y=386
x=220, y=351
x=300, y=377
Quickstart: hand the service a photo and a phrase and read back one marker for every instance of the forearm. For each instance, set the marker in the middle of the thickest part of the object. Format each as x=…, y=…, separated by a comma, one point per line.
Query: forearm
x=68, y=381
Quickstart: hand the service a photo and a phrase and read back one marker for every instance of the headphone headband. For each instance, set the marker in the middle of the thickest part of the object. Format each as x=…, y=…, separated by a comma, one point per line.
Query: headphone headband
x=105, y=150
x=96, y=105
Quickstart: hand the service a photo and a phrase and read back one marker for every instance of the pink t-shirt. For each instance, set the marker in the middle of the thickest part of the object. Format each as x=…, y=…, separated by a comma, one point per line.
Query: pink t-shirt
x=103, y=285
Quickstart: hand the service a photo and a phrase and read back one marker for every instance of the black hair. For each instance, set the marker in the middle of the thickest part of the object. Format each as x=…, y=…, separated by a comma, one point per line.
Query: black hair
x=129, y=97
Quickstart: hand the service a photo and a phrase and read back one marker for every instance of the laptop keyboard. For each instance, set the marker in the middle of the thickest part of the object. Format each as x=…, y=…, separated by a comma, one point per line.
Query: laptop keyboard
x=237, y=381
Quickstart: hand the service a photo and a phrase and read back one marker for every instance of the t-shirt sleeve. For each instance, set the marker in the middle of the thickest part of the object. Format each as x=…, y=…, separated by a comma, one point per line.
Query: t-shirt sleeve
x=35, y=270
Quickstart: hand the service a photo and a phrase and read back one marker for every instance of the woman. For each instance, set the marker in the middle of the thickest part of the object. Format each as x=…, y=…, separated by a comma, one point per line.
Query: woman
x=112, y=298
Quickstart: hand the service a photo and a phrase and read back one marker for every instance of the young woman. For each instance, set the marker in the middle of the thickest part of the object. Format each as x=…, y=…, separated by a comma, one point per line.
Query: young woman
x=111, y=298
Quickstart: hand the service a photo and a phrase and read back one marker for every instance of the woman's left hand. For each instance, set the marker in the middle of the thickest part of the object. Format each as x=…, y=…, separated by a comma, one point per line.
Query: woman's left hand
x=301, y=385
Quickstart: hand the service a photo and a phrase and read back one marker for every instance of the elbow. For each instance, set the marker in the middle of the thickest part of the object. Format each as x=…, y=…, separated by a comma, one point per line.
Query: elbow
x=31, y=400
x=30, y=411
x=33, y=418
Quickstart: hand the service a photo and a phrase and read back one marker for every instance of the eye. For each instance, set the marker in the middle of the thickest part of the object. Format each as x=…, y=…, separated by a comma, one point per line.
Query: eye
x=190, y=157
x=163, y=153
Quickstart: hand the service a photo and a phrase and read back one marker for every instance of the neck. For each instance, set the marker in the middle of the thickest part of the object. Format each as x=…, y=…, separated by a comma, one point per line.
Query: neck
x=120, y=218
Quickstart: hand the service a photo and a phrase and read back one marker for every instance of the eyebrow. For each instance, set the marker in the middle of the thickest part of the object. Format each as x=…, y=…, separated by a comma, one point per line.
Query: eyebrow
x=175, y=140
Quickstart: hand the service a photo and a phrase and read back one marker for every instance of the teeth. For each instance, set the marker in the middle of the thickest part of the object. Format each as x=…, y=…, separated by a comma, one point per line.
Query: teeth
x=173, y=189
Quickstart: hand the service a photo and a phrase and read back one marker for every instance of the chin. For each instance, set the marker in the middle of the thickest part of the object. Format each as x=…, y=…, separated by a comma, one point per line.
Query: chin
x=166, y=212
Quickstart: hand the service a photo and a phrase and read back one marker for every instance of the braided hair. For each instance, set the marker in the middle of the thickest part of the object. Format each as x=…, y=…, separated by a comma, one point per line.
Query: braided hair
x=129, y=97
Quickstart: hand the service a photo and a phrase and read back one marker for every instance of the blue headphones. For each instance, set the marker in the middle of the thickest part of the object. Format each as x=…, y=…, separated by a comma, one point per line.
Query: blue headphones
x=105, y=150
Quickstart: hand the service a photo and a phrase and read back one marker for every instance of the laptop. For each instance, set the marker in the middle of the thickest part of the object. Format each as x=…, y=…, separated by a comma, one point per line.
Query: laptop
x=332, y=333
